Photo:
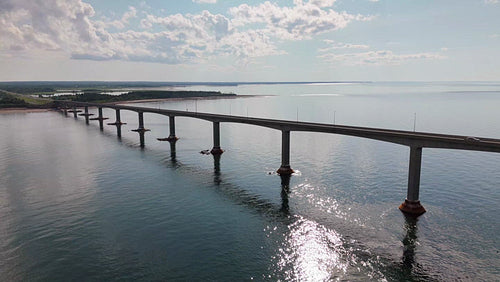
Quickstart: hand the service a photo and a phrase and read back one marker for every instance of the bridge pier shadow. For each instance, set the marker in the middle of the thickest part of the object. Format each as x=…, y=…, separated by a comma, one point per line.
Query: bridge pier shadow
x=173, y=154
x=285, y=190
x=409, y=244
x=217, y=178
x=119, y=131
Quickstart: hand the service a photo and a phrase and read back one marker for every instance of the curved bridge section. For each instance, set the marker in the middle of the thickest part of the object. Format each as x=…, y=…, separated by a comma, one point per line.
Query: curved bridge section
x=415, y=140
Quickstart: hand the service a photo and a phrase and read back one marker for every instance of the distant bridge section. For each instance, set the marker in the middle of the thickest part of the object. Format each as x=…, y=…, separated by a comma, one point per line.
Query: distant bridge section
x=415, y=140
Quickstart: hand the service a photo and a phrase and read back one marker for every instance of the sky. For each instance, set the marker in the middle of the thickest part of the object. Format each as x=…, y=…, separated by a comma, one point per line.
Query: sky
x=222, y=40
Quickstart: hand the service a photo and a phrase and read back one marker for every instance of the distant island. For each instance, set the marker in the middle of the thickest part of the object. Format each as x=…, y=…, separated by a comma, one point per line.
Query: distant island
x=43, y=94
x=96, y=97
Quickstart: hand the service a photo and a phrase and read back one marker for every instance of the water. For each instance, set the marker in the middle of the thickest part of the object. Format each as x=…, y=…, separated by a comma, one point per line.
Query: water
x=80, y=204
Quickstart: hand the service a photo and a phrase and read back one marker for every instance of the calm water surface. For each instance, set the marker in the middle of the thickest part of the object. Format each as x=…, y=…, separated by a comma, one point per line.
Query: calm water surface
x=80, y=204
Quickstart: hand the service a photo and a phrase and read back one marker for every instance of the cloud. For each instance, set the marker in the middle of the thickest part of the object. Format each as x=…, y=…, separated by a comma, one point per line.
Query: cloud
x=333, y=45
x=45, y=24
x=246, y=32
x=125, y=19
x=383, y=57
x=491, y=1
x=205, y=1
x=302, y=21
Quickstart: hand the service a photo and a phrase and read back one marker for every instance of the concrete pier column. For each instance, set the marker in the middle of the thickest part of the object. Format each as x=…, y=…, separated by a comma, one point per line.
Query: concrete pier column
x=118, y=123
x=216, y=150
x=285, y=168
x=75, y=112
x=171, y=137
x=118, y=118
x=101, y=119
x=141, y=120
x=141, y=130
x=411, y=206
x=65, y=110
x=171, y=125
x=86, y=114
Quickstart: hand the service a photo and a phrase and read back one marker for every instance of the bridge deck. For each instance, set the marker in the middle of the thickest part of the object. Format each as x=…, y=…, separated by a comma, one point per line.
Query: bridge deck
x=408, y=138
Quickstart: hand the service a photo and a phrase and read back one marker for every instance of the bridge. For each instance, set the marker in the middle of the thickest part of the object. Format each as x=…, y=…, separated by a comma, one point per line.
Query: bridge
x=416, y=141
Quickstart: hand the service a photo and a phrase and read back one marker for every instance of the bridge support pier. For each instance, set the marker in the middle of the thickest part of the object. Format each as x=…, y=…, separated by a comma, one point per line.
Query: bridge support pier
x=86, y=113
x=141, y=130
x=171, y=137
x=411, y=206
x=216, y=150
x=101, y=119
x=118, y=120
x=75, y=112
x=285, y=168
x=118, y=123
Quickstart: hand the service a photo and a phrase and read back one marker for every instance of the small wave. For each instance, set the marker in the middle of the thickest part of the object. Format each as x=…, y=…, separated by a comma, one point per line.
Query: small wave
x=318, y=95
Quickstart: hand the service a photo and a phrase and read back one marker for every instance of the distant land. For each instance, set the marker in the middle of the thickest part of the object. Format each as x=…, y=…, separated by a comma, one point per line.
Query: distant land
x=41, y=94
x=48, y=86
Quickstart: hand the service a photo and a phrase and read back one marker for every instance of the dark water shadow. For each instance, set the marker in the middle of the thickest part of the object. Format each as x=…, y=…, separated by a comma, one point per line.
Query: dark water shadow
x=407, y=269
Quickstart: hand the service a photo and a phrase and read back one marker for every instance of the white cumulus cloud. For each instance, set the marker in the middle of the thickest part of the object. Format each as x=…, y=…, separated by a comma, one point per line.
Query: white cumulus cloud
x=302, y=21
x=247, y=31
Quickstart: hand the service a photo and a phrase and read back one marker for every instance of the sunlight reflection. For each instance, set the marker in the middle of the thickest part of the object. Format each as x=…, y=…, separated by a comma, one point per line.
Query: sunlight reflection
x=325, y=203
x=311, y=252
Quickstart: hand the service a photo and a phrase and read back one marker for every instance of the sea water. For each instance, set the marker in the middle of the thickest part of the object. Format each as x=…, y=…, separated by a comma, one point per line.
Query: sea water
x=77, y=203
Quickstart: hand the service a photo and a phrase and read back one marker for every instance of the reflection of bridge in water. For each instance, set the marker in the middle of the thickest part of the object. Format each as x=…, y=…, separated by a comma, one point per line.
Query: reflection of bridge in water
x=415, y=140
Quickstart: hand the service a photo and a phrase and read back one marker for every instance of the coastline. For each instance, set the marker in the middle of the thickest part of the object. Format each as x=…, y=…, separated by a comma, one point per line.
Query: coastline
x=185, y=99
x=18, y=110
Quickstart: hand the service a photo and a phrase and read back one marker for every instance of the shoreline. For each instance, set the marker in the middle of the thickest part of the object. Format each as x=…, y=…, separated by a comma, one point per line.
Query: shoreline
x=186, y=98
x=18, y=110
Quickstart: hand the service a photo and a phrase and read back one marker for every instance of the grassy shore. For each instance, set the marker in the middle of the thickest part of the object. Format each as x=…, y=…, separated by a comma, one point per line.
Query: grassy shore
x=10, y=100
x=95, y=96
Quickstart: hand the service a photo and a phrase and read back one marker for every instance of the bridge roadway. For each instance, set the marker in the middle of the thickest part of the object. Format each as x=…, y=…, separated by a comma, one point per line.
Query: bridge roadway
x=415, y=140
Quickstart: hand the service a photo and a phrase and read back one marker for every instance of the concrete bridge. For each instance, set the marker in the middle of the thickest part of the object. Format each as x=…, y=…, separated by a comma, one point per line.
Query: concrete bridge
x=416, y=141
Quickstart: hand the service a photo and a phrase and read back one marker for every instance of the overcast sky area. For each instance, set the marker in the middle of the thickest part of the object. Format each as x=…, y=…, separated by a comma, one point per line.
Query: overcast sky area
x=282, y=40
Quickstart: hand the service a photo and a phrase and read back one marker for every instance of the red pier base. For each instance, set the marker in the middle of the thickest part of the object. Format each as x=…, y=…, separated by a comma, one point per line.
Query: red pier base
x=285, y=170
x=140, y=130
x=169, y=139
x=216, y=151
x=412, y=208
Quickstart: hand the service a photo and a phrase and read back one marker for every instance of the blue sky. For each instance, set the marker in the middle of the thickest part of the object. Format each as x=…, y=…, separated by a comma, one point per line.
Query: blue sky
x=215, y=40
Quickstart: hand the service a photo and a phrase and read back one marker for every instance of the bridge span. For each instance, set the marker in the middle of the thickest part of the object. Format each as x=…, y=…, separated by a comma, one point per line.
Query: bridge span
x=416, y=141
